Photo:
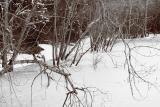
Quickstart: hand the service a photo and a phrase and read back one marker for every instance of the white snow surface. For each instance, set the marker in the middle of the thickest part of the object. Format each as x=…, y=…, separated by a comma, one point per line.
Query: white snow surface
x=105, y=71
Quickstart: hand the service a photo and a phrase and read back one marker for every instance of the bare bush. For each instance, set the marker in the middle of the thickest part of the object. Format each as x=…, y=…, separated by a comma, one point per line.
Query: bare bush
x=28, y=23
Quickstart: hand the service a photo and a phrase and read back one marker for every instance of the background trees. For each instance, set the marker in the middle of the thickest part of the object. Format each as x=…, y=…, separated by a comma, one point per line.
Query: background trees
x=27, y=23
x=134, y=18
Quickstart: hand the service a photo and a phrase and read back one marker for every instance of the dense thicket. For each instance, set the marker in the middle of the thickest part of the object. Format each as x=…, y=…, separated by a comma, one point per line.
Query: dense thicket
x=63, y=21
x=50, y=21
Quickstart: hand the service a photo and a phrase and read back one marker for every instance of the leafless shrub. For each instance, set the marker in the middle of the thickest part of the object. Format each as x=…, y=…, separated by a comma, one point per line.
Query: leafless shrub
x=133, y=75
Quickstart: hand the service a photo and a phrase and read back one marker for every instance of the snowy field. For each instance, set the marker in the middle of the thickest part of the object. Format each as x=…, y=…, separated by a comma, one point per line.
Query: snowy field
x=105, y=73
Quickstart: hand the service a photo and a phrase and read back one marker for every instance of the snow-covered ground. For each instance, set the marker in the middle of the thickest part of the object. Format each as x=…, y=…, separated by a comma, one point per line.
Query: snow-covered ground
x=106, y=72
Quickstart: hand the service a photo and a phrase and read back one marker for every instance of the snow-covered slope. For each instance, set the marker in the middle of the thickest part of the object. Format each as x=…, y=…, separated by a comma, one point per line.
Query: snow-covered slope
x=103, y=71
